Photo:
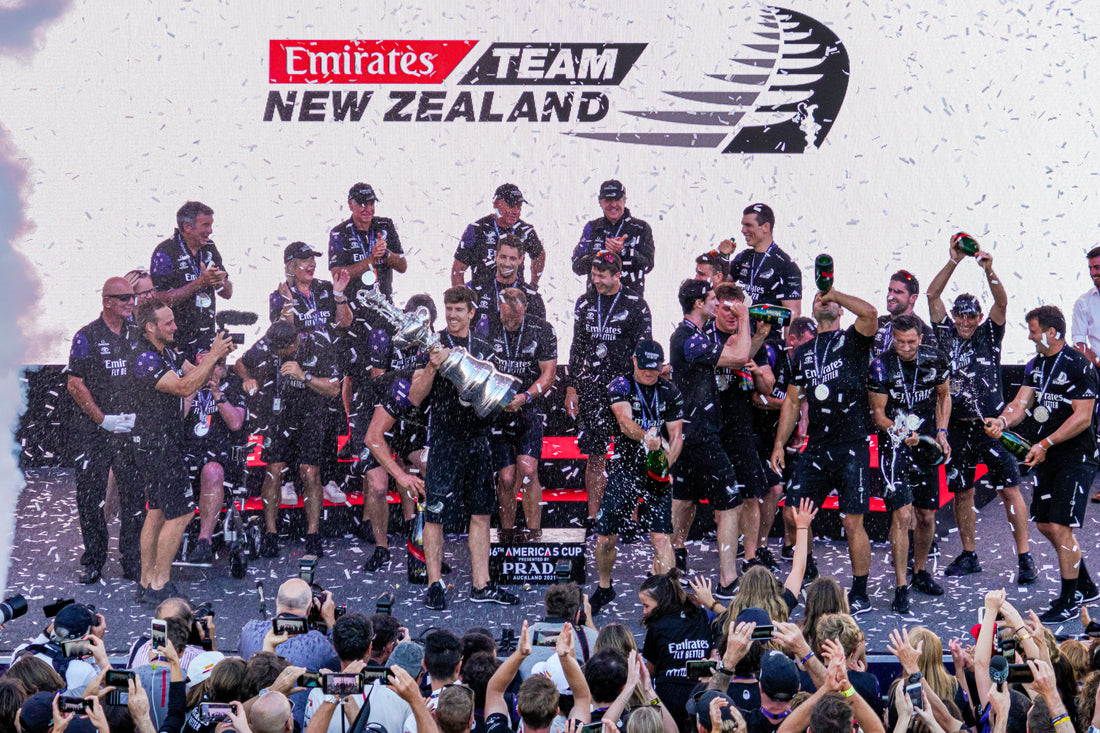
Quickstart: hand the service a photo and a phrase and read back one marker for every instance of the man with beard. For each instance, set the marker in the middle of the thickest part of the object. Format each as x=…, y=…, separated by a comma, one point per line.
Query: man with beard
x=1058, y=396
x=901, y=296
x=188, y=273
x=697, y=352
x=910, y=396
x=99, y=380
x=526, y=347
x=830, y=373
x=477, y=248
x=160, y=388
x=365, y=242
x=509, y=263
x=608, y=321
x=459, y=479
x=973, y=346
x=765, y=272
x=630, y=239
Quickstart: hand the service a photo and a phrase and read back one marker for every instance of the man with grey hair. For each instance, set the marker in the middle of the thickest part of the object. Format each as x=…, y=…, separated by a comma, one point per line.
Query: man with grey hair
x=271, y=713
x=313, y=649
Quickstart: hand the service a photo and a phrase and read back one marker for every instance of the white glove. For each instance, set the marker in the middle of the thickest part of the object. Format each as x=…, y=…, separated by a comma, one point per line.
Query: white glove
x=118, y=423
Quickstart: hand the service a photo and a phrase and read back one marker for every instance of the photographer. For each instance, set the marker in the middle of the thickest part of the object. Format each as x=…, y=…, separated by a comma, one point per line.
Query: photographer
x=388, y=633
x=178, y=614
x=74, y=622
x=311, y=650
x=565, y=603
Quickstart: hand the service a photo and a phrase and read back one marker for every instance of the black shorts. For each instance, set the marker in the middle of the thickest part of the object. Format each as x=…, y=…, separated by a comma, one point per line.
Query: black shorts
x=517, y=434
x=971, y=446
x=845, y=467
x=162, y=470
x=747, y=469
x=596, y=423
x=626, y=490
x=408, y=437
x=197, y=458
x=458, y=481
x=1061, y=492
x=288, y=439
x=912, y=483
x=764, y=445
x=704, y=471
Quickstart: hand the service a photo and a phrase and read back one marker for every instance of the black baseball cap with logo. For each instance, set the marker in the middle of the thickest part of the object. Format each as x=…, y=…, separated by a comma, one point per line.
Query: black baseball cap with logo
x=650, y=354
x=362, y=193
x=299, y=250
x=510, y=194
x=612, y=190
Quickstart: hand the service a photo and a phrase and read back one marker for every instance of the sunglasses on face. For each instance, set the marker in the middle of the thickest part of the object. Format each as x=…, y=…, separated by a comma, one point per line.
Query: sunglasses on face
x=144, y=293
x=123, y=297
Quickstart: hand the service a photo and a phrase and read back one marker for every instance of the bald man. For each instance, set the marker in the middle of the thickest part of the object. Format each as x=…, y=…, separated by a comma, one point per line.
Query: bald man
x=312, y=650
x=271, y=714
x=100, y=372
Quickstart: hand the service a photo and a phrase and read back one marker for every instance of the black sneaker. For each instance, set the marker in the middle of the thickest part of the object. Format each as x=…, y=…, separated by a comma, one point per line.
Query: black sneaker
x=727, y=592
x=764, y=555
x=681, y=560
x=1059, y=612
x=139, y=594
x=923, y=582
x=493, y=594
x=377, y=560
x=435, y=598
x=269, y=545
x=201, y=553
x=156, y=597
x=787, y=553
x=1087, y=594
x=313, y=545
x=746, y=564
x=901, y=600
x=1028, y=573
x=90, y=575
x=601, y=598
x=965, y=564
x=858, y=604
x=811, y=568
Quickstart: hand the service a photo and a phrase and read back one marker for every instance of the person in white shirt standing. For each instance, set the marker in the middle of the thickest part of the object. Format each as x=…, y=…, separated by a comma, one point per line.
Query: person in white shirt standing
x=1085, y=329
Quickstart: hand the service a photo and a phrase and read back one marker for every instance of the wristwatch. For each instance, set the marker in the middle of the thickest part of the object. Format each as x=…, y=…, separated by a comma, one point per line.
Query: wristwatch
x=915, y=678
x=307, y=378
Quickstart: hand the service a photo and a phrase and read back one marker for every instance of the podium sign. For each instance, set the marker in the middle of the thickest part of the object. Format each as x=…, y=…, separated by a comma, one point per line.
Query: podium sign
x=524, y=560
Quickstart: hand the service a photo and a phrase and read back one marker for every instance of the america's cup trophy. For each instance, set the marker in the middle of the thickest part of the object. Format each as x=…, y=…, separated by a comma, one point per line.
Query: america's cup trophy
x=479, y=383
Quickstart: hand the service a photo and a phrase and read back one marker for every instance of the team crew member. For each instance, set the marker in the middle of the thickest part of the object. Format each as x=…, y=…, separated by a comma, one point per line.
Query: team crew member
x=696, y=353
x=291, y=376
x=459, y=478
x=213, y=417
x=99, y=380
x=830, y=373
x=608, y=321
x=478, y=246
x=901, y=297
x=160, y=388
x=649, y=411
x=711, y=268
x=188, y=273
x=766, y=272
x=1058, y=396
x=365, y=242
x=509, y=263
x=973, y=347
x=309, y=303
x=526, y=347
x=618, y=232
x=142, y=285
x=910, y=396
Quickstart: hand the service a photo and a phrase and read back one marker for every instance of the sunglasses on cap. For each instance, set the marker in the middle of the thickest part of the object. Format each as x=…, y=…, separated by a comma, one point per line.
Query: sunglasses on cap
x=123, y=297
x=604, y=256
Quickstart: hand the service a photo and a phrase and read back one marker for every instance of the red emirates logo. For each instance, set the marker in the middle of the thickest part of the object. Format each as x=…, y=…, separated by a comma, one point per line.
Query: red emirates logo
x=364, y=62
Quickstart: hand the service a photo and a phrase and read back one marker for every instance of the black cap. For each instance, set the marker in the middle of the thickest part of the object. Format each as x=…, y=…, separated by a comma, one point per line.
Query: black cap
x=73, y=621
x=778, y=676
x=299, y=250
x=510, y=194
x=650, y=354
x=612, y=189
x=362, y=193
x=966, y=304
x=700, y=708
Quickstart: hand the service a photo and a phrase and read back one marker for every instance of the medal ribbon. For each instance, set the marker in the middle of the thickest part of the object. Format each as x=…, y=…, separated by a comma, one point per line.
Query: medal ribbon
x=601, y=322
x=818, y=377
x=1046, y=384
x=909, y=398
x=759, y=265
x=651, y=411
x=519, y=340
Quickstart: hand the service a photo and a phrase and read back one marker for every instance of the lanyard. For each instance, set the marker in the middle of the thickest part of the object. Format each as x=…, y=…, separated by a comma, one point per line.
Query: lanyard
x=359, y=240
x=511, y=229
x=755, y=271
x=601, y=322
x=1046, y=384
x=204, y=400
x=519, y=340
x=651, y=411
x=818, y=377
x=308, y=299
x=910, y=398
x=195, y=267
x=619, y=229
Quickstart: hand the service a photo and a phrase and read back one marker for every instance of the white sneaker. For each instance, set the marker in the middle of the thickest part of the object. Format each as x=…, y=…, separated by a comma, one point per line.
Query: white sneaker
x=334, y=495
x=290, y=496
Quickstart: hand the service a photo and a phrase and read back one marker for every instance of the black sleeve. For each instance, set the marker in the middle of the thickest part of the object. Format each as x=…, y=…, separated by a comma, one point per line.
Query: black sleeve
x=644, y=251
x=393, y=242
x=177, y=708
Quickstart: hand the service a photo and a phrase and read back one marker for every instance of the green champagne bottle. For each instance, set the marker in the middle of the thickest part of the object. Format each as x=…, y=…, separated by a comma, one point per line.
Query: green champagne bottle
x=657, y=470
x=1015, y=445
x=966, y=244
x=777, y=315
x=823, y=273
x=416, y=562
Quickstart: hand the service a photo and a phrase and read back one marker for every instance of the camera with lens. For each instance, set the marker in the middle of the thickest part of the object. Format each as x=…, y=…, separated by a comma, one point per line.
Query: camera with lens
x=307, y=570
x=13, y=607
x=384, y=604
x=508, y=641
x=200, y=629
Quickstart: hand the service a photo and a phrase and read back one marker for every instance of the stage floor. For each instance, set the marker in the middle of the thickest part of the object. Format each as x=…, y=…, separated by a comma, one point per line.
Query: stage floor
x=45, y=565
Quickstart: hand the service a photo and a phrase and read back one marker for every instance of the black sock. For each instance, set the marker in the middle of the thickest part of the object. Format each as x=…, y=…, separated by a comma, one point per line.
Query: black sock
x=1023, y=556
x=681, y=552
x=1083, y=579
x=1069, y=590
x=859, y=585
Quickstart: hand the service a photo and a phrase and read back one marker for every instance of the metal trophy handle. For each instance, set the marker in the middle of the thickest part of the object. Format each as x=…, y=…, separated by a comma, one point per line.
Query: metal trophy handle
x=479, y=383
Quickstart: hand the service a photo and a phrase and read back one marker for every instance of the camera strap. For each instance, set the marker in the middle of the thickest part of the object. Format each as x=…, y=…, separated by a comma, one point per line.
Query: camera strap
x=582, y=640
x=58, y=660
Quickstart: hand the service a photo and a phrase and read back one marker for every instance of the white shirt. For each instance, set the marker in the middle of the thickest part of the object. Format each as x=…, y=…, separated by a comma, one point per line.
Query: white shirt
x=79, y=674
x=1086, y=321
x=386, y=707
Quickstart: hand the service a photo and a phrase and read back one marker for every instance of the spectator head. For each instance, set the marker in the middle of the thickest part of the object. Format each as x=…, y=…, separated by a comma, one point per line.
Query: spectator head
x=615, y=636
x=1077, y=654
x=1086, y=698
x=409, y=656
x=474, y=642
x=12, y=696
x=605, y=673
x=72, y=622
x=823, y=596
x=223, y=684
x=1038, y=718
x=442, y=657
x=538, y=702
x=749, y=664
x=454, y=709
x=36, y=715
x=386, y=629
x=202, y=666
x=699, y=708
x=476, y=672
x=646, y=719
x=831, y=715
x=295, y=595
x=351, y=637
x=778, y=682
x=261, y=669
x=271, y=713
x=843, y=628
x=759, y=589
x=662, y=595
x=931, y=665
x=563, y=600
x=35, y=674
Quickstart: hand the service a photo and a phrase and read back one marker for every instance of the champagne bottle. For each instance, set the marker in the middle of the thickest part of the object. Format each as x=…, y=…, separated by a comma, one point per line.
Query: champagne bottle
x=777, y=315
x=965, y=244
x=823, y=273
x=1015, y=445
x=657, y=469
x=416, y=562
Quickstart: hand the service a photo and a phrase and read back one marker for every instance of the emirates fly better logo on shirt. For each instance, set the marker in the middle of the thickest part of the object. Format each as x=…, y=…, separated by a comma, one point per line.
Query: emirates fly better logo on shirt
x=779, y=93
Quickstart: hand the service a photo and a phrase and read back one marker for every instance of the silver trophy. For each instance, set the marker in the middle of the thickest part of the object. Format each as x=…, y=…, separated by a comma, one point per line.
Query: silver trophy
x=480, y=385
